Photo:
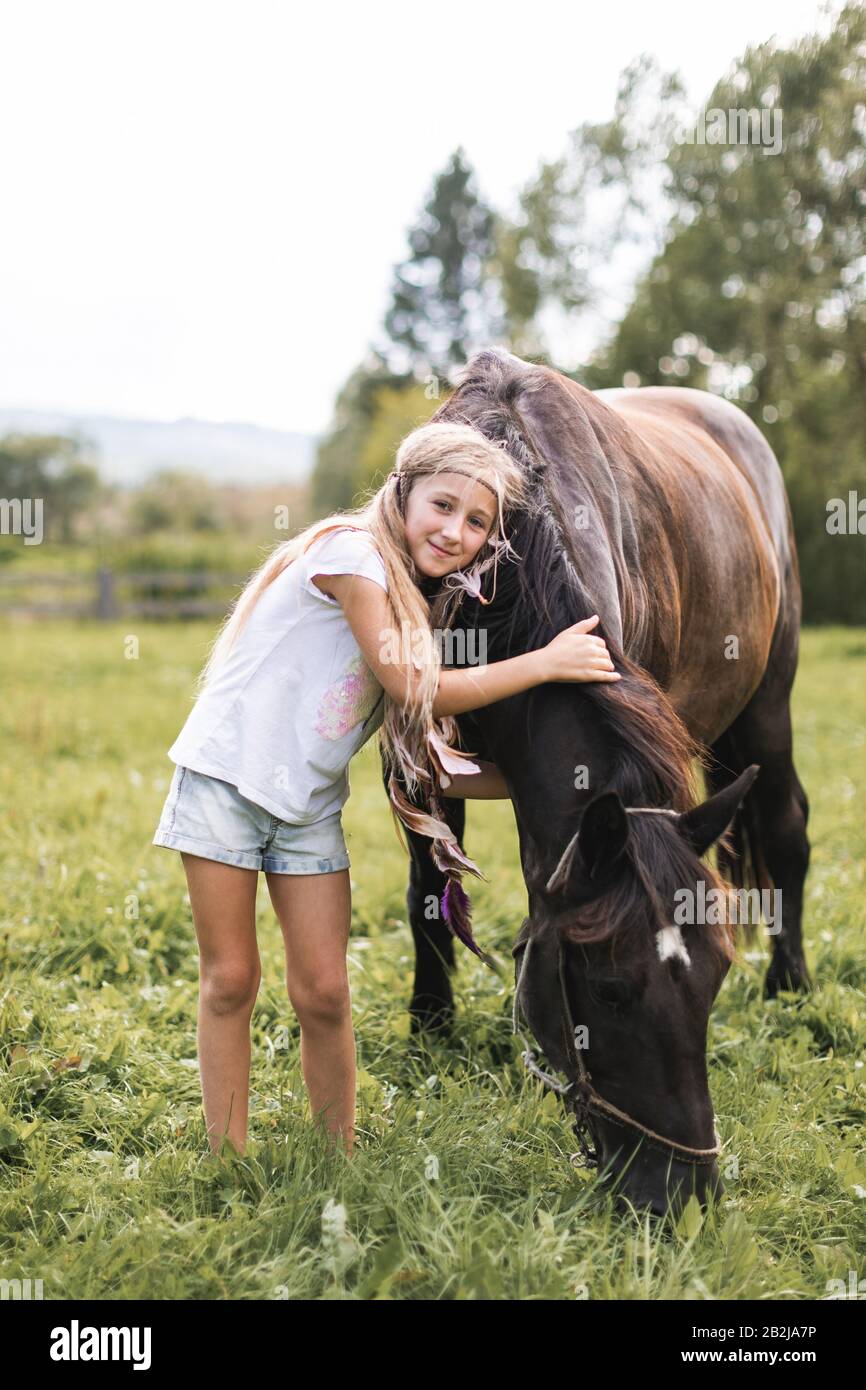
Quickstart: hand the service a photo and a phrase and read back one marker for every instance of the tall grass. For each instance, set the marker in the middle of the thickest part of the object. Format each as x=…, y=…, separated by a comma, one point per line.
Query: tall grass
x=460, y=1186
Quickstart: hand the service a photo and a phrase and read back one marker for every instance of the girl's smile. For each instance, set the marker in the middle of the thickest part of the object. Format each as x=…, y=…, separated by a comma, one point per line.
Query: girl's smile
x=448, y=518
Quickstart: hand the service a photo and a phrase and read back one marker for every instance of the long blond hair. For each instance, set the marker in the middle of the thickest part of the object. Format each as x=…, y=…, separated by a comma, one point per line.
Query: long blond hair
x=412, y=742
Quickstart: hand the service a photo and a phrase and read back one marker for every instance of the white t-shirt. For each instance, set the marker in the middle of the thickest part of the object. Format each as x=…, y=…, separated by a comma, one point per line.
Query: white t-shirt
x=295, y=699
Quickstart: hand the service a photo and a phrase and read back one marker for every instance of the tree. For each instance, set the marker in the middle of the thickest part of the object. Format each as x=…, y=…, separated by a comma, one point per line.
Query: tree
x=174, y=500
x=759, y=292
x=444, y=303
x=586, y=216
x=50, y=467
x=398, y=410
x=335, y=479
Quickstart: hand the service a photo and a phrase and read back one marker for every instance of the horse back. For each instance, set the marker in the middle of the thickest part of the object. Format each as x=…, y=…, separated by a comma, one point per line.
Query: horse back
x=686, y=541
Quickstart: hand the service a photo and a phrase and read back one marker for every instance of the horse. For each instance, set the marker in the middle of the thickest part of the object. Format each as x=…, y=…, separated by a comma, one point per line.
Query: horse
x=663, y=510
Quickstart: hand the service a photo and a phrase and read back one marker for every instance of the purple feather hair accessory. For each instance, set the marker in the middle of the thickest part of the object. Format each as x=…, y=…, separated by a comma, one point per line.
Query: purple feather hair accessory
x=457, y=911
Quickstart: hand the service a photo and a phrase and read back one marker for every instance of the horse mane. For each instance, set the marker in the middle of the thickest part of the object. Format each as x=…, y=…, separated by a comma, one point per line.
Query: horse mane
x=659, y=864
x=543, y=593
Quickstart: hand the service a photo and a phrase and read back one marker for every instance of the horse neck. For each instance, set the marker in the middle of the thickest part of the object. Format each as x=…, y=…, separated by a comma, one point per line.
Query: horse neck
x=550, y=786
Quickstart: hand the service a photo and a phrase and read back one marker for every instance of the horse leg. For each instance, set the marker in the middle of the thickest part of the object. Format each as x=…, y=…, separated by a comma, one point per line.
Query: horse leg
x=432, y=1004
x=774, y=817
x=732, y=850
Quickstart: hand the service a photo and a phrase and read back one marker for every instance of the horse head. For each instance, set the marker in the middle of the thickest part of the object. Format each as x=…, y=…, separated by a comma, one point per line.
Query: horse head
x=613, y=972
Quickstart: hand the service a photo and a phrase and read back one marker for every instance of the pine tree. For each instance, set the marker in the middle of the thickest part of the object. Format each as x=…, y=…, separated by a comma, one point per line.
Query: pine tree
x=444, y=304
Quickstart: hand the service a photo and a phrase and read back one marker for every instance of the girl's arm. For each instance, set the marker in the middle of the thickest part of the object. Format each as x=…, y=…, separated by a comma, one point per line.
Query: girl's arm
x=486, y=785
x=573, y=655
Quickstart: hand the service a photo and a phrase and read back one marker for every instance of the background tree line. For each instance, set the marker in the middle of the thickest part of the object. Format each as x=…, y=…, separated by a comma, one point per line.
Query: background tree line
x=749, y=282
x=753, y=288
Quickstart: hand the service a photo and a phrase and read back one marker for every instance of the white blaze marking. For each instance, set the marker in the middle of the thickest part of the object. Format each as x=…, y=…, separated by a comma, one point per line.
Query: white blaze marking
x=669, y=942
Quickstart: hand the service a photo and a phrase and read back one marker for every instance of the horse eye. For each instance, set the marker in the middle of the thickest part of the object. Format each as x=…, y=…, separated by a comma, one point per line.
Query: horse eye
x=617, y=993
x=676, y=967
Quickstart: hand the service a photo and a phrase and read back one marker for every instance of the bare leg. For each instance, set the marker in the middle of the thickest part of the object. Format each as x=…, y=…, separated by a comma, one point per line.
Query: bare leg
x=223, y=901
x=314, y=912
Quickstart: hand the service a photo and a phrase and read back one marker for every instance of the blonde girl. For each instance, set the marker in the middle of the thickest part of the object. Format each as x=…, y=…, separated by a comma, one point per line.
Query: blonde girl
x=303, y=672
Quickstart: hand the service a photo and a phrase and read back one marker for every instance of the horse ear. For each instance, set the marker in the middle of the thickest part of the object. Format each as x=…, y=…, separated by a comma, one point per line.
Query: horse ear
x=599, y=841
x=703, y=825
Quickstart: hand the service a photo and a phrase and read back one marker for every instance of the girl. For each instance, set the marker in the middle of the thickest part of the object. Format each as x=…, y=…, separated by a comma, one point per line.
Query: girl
x=302, y=673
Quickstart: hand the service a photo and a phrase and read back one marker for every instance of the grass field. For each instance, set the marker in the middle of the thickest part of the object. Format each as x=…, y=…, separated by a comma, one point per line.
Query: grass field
x=460, y=1187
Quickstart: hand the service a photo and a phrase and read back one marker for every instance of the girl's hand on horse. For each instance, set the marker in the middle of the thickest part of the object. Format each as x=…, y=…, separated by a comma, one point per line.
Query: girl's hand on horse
x=575, y=655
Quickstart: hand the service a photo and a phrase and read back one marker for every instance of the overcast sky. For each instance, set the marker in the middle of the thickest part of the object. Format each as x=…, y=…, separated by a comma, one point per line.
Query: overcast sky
x=203, y=202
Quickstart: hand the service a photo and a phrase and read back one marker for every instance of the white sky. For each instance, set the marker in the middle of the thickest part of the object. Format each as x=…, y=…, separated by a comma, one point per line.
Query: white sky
x=203, y=202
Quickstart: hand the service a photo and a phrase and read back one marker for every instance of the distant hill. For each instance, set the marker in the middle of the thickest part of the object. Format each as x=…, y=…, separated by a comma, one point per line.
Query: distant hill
x=129, y=451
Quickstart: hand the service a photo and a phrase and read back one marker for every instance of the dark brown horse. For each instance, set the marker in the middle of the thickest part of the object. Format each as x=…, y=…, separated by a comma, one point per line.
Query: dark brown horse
x=664, y=511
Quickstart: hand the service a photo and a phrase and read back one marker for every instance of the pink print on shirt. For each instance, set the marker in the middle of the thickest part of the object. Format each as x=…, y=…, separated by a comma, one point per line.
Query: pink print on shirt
x=348, y=701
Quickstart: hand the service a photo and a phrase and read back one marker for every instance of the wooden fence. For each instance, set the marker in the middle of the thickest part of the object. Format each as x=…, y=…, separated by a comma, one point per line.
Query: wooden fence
x=111, y=594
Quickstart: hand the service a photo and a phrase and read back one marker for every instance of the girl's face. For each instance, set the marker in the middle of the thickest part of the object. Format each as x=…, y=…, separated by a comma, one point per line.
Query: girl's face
x=448, y=519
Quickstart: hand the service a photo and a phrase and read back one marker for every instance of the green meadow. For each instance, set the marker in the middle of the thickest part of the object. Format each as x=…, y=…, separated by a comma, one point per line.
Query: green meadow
x=460, y=1186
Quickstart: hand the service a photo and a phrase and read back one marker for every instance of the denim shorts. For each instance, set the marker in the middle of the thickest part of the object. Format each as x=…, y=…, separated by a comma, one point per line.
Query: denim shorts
x=210, y=818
